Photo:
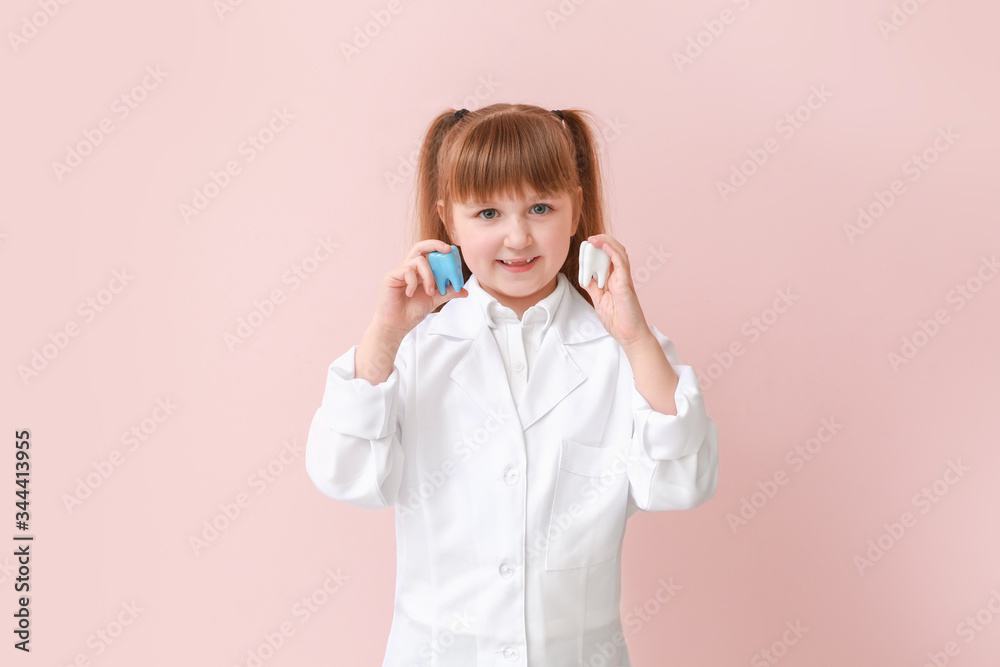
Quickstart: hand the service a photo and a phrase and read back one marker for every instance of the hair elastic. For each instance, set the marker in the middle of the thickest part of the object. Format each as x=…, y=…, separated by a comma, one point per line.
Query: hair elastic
x=460, y=113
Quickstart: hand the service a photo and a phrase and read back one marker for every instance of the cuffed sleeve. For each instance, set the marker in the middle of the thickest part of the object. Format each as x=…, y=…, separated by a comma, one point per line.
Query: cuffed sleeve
x=674, y=459
x=353, y=452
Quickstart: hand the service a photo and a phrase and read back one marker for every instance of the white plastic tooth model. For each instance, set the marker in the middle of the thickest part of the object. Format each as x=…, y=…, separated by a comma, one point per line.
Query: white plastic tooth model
x=594, y=263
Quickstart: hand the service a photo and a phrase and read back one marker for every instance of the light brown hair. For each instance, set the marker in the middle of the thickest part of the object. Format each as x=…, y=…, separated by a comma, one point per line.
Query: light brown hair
x=508, y=149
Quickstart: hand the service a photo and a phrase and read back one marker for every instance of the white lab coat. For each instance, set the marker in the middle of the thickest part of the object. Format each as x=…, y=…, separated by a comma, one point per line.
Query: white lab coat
x=510, y=520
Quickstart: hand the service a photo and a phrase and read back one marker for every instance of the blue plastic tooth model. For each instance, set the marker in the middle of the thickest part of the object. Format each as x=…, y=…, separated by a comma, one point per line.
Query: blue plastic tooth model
x=447, y=268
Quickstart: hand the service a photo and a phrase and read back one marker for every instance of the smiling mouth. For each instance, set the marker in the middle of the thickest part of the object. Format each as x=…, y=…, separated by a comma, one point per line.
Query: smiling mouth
x=517, y=262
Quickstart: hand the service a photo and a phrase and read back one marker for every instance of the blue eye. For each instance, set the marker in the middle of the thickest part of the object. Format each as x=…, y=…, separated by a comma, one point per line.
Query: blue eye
x=494, y=217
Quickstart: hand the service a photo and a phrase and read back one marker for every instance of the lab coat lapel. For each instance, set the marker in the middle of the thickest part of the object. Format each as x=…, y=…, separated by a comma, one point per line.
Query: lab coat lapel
x=552, y=378
x=481, y=373
x=555, y=371
x=482, y=376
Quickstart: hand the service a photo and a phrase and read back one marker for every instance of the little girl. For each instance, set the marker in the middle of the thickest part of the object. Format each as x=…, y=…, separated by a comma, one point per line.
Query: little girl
x=516, y=425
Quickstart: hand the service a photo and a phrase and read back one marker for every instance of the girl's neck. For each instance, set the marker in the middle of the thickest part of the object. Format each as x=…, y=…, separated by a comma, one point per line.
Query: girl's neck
x=520, y=304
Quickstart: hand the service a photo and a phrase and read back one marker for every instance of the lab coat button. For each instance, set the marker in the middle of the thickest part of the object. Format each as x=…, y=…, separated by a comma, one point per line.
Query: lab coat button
x=510, y=653
x=519, y=367
x=506, y=570
x=511, y=475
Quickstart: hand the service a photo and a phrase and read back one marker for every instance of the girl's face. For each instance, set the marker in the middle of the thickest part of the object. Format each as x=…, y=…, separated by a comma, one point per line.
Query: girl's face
x=537, y=229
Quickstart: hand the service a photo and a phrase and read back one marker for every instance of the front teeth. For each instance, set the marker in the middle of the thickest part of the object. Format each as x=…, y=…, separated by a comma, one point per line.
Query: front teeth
x=524, y=264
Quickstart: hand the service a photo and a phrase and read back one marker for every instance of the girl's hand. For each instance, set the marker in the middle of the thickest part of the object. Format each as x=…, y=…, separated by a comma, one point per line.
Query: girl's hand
x=409, y=292
x=617, y=305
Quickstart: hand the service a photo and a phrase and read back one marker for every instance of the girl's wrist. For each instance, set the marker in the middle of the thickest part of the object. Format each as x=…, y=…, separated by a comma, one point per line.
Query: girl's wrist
x=374, y=358
x=382, y=333
x=644, y=340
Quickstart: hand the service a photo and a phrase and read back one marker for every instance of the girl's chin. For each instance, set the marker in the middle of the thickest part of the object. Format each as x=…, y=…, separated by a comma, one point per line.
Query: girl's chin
x=518, y=284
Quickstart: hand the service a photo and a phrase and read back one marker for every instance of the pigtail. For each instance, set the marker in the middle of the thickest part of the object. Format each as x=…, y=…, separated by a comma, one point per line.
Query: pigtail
x=592, y=213
x=428, y=222
x=587, y=164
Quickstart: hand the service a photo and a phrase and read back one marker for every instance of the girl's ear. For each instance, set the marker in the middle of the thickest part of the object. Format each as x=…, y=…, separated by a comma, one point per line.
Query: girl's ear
x=449, y=229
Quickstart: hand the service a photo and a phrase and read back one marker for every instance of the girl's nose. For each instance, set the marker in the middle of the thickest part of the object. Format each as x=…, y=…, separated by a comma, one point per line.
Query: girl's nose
x=519, y=235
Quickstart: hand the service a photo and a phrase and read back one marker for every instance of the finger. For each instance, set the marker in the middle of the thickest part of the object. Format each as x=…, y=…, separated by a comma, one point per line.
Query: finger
x=423, y=266
x=449, y=295
x=421, y=247
x=411, y=281
x=606, y=242
x=616, y=251
x=428, y=245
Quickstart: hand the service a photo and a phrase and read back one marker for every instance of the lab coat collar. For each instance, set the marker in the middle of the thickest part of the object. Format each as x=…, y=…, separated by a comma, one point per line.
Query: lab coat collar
x=571, y=315
x=555, y=373
x=544, y=309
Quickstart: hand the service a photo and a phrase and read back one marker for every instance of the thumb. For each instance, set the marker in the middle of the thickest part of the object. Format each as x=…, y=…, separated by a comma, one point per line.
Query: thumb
x=449, y=295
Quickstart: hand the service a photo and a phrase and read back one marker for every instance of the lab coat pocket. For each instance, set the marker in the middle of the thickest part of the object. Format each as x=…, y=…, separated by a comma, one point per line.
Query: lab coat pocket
x=588, y=508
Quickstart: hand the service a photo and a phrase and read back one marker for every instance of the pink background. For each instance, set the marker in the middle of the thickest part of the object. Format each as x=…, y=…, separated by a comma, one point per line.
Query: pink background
x=338, y=170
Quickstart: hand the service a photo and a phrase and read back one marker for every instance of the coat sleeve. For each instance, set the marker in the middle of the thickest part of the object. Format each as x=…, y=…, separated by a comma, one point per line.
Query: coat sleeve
x=674, y=459
x=353, y=451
